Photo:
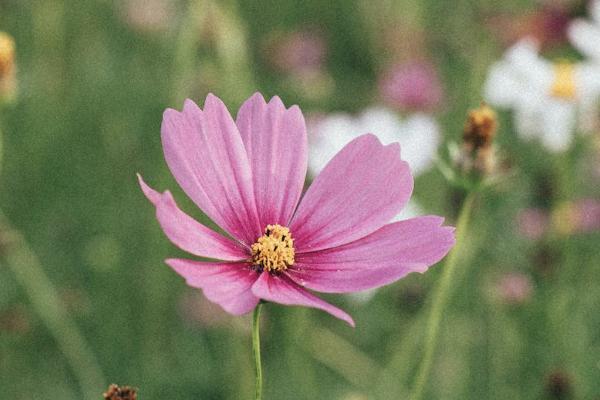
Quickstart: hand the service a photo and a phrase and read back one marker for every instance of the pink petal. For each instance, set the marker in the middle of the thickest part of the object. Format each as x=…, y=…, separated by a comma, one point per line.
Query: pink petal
x=375, y=260
x=187, y=233
x=364, y=186
x=275, y=140
x=228, y=285
x=279, y=289
x=206, y=155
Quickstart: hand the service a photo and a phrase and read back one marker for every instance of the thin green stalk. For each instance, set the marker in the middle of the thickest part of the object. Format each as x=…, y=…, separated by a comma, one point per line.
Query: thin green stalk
x=1, y=151
x=256, y=350
x=343, y=357
x=441, y=296
x=45, y=300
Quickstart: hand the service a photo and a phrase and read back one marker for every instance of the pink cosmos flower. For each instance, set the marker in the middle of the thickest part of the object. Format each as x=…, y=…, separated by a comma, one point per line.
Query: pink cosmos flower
x=413, y=86
x=533, y=223
x=298, y=52
x=514, y=288
x=247, y=176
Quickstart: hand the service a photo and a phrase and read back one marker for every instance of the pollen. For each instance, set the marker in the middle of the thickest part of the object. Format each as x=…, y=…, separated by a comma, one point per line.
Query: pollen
x=7, y=54
x=274, y=251
x=564, y=86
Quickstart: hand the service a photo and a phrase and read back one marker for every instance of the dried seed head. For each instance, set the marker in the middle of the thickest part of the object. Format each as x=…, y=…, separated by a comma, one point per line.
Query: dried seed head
x=8, y=80
x=480, y=128
x=478, y=153
x=7, y=55
x=115, y=392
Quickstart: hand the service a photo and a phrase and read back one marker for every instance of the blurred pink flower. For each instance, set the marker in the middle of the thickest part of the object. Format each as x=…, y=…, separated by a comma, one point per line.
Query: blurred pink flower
x=148, y=16
x=532, y=223
x=588, y=215
x=580, y=216
x=247, y=176
x=547, y=24
x=413, y=86
x=514, y=288
x=298, y=52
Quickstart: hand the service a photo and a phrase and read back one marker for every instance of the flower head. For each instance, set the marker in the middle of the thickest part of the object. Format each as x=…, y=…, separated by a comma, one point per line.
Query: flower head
x=115, y=392
x=514, y=288
x=549, y=100
x=478, y=153
x=148, y=16
x=412, y=86
x=580, y=216
x=247, y=175
x=297, y=52
x=532, y=223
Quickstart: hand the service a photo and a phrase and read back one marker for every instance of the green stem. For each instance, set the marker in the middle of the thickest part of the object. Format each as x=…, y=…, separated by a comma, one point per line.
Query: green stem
x=1, y=148
x=442, y=294
x=45, y=300
x=256, y=350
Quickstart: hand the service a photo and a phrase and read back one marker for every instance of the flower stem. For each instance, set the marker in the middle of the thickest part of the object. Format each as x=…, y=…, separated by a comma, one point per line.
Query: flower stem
x=256, y=350
x=441, y=296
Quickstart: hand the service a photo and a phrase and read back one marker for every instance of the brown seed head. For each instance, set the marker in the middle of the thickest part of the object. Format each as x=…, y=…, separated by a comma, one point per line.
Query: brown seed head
x=7, y=54
x=480, y=128
x=478, y=154
x=115, y=392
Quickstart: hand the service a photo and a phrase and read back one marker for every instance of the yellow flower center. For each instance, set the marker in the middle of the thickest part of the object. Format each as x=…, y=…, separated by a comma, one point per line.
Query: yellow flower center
x=7, y=54
x=564, y=86
x=274, y=251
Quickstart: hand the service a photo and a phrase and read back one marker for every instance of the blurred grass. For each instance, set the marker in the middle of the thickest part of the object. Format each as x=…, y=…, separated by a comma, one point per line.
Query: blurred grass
x=92, y=93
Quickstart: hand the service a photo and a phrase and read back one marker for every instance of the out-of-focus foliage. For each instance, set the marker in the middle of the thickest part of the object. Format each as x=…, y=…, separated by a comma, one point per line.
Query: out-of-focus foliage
x=94, y=77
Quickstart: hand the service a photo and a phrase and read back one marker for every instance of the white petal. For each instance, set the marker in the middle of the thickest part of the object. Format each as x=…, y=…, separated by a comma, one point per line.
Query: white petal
x=419, y=141
x=502, y=86
x=585, y=37
x=382, y=122
x=418, y=136
x=411, y=210
x=595, y=11
x=332, y=134
x=587, y=78
x=559, y=125
x=535, y=72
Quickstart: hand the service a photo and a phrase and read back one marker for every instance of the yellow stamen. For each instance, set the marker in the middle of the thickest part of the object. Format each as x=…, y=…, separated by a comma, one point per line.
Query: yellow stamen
x=7, y=54
x=564, y=86
x=274, y=251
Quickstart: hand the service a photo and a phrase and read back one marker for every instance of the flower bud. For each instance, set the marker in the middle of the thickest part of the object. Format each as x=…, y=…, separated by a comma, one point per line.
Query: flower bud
x=478, y=154
x=115, y=392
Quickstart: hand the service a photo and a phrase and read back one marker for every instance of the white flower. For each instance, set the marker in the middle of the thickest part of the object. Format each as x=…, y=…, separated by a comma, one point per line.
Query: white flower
x=418, y=136
x=585, y=36
x=550, y=100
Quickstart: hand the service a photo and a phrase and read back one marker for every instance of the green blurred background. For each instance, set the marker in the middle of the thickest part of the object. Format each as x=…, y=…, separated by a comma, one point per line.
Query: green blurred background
x=93, y=80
